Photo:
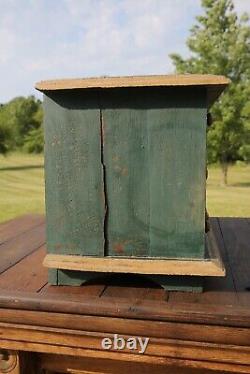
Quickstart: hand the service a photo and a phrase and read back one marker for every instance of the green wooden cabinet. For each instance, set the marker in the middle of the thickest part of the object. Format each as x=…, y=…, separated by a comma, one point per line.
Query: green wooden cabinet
x=125, y=172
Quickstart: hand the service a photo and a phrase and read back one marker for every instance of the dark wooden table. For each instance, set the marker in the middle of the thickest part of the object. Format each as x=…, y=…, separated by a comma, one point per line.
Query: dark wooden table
x=48, y=329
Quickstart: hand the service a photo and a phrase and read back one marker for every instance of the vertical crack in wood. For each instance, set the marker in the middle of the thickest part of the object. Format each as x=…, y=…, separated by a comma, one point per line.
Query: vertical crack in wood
x=105, y=220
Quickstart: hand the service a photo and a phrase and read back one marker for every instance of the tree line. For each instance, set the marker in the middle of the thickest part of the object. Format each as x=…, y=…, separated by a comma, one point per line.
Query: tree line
x=21, y=125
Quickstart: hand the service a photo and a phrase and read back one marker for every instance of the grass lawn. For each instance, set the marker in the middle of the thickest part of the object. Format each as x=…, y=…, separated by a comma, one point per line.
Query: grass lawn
x=232, y=200
x=21, y=185
x=22, y=188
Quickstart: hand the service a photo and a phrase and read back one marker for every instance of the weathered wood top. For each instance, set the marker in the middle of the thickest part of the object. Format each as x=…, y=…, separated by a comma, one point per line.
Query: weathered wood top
x=215, y=84
x=23, y=282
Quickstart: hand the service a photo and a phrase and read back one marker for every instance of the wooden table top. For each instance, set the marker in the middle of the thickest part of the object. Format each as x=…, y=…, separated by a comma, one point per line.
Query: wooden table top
x=62, y=327
x=23, y=282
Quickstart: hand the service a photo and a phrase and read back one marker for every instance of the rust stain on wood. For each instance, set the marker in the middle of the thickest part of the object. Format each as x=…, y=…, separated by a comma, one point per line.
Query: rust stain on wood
x=119, y=247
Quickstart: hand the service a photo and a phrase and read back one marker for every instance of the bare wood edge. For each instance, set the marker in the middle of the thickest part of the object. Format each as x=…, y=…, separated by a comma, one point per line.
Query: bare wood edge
x=134, y=265
x=134, y=81
x=211, y=266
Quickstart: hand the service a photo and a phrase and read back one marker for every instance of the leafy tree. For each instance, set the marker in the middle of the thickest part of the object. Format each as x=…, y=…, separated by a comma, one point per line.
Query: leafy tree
x=19, y=118
x=6, y=132
x=25, y=117
x=220, y=44
x=5, y=136
x=34, y=141
x=244, y=150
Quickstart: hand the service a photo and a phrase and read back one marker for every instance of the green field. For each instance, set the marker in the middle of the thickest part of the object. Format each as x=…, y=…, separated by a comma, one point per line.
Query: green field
x=21, y=185
x=22, y=188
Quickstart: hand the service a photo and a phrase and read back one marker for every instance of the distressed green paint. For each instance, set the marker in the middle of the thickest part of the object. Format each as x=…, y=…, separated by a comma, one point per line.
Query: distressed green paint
x=141, y=152
x=155, y=157
x=127, y=174
x=74, y=174
x=177, y=174
x=53, y=277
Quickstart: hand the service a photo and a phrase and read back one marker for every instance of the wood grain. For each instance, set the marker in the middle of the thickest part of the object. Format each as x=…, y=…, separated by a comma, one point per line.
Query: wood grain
x=107, y=366
x=134, y=265
x=127, y=174
x=159, y=329
x=236, y=236
x=26, y=275
x=123, y=357
x=58, y=329
x=215, y=84
x=134, y=81
x=155, y=198
x=20, y=246
x=227, y=315
x=157, y=347
x=91, y=289
x=73, y=175
x=19, y=225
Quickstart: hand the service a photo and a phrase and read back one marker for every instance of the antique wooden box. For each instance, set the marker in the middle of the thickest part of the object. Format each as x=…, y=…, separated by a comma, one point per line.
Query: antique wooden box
x=125, y=172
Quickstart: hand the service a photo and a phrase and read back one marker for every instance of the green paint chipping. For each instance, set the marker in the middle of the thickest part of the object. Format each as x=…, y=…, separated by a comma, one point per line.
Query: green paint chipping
x=125, y=172
x=73, y=174
x=155, y=157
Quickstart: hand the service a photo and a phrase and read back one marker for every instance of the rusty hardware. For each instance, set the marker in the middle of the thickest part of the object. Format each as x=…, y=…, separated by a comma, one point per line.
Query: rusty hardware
x=8, y=361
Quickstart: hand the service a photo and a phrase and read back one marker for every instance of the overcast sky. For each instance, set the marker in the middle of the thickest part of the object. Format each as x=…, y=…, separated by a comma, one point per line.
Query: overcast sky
x=42, y=39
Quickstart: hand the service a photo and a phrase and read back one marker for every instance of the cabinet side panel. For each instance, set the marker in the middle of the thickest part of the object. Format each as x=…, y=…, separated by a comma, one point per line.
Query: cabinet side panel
x=73, y=174
x=155, y=157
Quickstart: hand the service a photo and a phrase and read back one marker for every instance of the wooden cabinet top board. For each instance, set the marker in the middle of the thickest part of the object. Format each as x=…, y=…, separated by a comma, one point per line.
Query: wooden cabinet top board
x=125, y=170
x=214, y=84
